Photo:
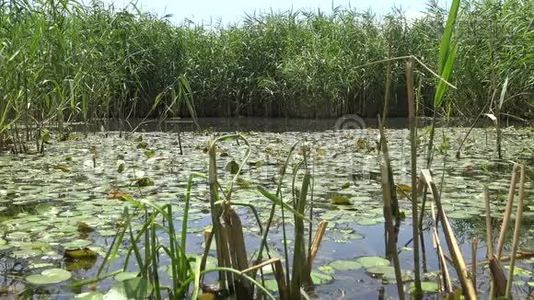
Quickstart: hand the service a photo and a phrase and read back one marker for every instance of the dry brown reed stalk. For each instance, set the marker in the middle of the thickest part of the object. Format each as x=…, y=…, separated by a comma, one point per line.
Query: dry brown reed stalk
x=474, y=247
x=445, y=277
x=499, y=281
x=507, y=212
x=458, y=260
x=278, y=271
x=519, y=255
x=391, y=245
x=316, y=243
x=489, y=228
x=233, y=229
x=517, y=229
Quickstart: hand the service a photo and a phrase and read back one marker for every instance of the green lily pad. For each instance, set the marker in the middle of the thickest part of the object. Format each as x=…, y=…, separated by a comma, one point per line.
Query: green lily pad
x=340, y=200
x=271, y=285
x=26, y=253
x=381, y=270
x=49, y=276
x=345, y=265
x=531, y=283
x=77, y=244
x=427, y=287
x=320, y=278
x=84, y=253
x=372, y=261
x=142, y=182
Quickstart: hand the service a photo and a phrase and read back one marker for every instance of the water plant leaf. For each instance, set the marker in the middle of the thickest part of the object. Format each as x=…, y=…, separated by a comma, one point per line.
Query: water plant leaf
x=345, y=265
x=76, y=244
x=143, y=182
x=137, y=288
x=276, y=200
x=232, y=167
x=427, y=287
x=338, y=199
x=372, y=261
x=149, y=153
x=49, y=276
x=271, y=285
x=125, y=276
x=320, y=278
x=84, y=253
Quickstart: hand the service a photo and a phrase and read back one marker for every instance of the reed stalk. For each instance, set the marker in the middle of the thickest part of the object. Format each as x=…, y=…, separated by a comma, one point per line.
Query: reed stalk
x=517, y=229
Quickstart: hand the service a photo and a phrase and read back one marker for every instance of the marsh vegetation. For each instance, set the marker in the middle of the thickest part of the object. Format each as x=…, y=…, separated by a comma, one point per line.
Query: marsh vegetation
x=429, y=211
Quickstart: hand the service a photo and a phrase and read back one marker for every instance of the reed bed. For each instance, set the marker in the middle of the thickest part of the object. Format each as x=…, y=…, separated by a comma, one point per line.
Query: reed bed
x=63, y=61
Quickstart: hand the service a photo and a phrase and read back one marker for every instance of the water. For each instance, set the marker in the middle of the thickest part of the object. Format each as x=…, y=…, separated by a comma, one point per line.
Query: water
x=46, y=196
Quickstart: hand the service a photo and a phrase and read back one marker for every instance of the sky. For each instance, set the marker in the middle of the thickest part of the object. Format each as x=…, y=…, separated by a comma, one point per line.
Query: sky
x=232, y=11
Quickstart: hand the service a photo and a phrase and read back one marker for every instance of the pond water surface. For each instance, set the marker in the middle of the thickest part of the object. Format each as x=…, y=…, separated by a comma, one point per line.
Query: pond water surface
x=44, y=198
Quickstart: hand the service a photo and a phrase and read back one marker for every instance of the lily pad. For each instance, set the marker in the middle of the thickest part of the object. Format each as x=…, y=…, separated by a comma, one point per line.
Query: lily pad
x=340, y=200
x=49, y=276
x=320, y=278
x=144, y=181
x=345, y=265
x=372, y=261
x=271, y=285
x=77, y=244
x=84, y=253
x=427, y=287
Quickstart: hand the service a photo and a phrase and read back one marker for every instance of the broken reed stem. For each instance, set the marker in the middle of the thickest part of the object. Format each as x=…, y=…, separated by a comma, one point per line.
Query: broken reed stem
x=507, y=212
x=520, y=255
x=498, y=282
x=391, y=246
x=279, y=275
x=489, y=229
x=413, y=161
x=319, y=234
x=517, y=228
x=474, y=247
x=216, y=211
x=445, y=277
x=452, y=243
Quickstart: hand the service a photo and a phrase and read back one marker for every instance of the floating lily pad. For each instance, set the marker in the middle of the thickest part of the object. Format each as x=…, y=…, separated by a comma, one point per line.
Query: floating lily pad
x=345, y=265
x=340, y=200
x=49, y=276
x=26, y=253
x=427, y=287
x=381, y=270
x=84, y=253
x=372, y=261
x=320, y=278
x=271, y=285
x=76, y=244
x=143, y=182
